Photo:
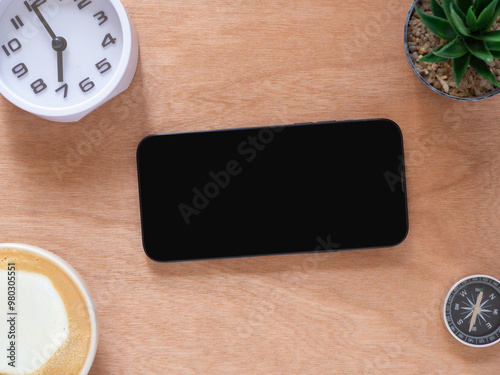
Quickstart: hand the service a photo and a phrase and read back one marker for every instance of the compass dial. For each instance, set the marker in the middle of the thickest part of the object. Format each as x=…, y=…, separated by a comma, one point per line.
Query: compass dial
x=472, y=311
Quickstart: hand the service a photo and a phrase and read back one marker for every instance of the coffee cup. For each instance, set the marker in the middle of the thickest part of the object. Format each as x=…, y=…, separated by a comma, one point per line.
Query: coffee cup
x=48, y=313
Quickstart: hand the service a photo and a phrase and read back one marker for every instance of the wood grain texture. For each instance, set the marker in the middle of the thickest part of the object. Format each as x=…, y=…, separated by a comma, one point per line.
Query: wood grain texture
x=72, y=189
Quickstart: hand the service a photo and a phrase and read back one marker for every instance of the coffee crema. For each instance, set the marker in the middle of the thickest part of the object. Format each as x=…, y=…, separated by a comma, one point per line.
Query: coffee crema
x=70, y=355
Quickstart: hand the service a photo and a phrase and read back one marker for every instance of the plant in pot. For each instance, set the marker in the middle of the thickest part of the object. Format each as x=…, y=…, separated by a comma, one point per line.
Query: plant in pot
x=454, y=45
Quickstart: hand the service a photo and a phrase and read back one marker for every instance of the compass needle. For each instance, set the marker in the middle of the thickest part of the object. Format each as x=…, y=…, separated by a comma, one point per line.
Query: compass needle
x=476, y=309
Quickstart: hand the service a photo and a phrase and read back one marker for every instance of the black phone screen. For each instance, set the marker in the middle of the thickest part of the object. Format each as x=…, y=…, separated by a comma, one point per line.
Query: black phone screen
x=272, y=190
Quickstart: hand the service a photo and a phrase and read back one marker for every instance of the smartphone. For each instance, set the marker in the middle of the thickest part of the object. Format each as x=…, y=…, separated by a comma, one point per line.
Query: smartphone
x=297, y=188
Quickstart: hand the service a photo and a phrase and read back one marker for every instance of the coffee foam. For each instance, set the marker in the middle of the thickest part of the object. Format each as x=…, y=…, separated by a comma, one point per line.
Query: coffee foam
x=41, y=323
x=57, y=304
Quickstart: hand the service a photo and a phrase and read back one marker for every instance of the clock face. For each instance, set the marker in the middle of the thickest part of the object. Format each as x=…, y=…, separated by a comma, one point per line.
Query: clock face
x=472, y=311
x=58, y=54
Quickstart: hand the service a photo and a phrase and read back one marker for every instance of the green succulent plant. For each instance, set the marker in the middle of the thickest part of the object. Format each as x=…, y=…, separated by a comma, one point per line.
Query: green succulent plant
x=466, y=25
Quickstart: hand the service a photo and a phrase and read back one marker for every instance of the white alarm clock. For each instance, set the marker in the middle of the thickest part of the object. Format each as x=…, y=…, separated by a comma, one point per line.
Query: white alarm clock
x=62, y=59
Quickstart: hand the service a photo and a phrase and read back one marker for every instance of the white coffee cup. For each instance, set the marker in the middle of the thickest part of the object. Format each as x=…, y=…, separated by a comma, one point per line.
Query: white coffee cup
x=49, y=314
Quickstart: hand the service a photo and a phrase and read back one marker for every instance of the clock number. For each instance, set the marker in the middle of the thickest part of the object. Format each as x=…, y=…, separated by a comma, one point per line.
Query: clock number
x=103, y=66
x=65, y=88
x=14, y=46
x=101, y=17
x=20, y=70
x=108, y=39
x=28, y=6
x=17, y=22
x=38, y=86
x=82, y=4
x=38, y=3
x=87, y=86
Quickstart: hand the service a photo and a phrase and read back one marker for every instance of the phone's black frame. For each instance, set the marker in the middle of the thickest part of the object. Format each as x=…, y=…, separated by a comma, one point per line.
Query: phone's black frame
x=403, y=182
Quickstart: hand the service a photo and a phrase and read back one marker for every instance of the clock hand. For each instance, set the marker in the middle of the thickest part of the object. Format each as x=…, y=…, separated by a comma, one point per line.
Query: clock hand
x=60, y=75
x=43, y=21
x=59, y=45
x=476, y=309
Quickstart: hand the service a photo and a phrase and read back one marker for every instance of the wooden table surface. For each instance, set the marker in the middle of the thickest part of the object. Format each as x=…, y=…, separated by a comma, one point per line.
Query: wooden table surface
x=72, y=189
